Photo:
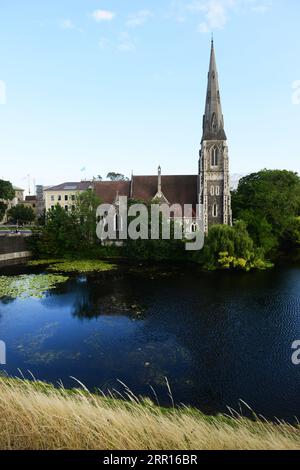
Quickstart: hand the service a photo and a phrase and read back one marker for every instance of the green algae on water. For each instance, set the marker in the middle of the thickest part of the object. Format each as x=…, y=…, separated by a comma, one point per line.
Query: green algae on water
x=81, y=266
x=25, y=286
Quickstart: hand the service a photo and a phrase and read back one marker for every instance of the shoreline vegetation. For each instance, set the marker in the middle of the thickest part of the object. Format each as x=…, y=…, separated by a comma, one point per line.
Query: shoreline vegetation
x=266, y=230
x=37, y=416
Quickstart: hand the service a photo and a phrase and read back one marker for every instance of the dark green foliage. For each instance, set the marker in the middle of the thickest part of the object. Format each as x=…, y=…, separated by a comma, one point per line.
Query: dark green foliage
x=230, y=247
x=59, y=237
x=7, y=191
x=69, y=234
x=116, y=176
x=154, y=250
x=3, y=208
x=85, y=213
x=268, y=201
x=21, y=214
x=290, y=240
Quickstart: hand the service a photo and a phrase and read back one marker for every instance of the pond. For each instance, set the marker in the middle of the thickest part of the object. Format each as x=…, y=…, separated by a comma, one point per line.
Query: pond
x=218, y=338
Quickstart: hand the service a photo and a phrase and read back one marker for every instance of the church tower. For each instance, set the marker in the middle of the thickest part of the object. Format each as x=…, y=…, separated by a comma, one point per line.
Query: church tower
x=214, y=186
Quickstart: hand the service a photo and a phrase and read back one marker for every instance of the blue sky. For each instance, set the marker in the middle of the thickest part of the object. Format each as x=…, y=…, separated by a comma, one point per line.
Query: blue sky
x=119, y=85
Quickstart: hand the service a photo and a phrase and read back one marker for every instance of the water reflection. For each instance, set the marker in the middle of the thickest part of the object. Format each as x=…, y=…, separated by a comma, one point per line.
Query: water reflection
x=217, y=337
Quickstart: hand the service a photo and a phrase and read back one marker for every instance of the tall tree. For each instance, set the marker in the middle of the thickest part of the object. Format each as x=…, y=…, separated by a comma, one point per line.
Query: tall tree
x=85, y=212
x=7, y=193
x=268, y=201
x=21, y=214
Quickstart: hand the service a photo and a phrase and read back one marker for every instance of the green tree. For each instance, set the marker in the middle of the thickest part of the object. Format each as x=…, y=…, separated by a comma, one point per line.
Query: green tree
x=154, y=250
x=267, y=201
x=116, y=176
x=7, y=193
x=85, y=214
x=290, y=241
x=230, y=248
x=59, y=237
x=3, y=208
x=69, y=233
x=21, y=214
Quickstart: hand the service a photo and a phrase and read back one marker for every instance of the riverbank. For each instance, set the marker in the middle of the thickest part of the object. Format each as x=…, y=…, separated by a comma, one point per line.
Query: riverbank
x=35, y=415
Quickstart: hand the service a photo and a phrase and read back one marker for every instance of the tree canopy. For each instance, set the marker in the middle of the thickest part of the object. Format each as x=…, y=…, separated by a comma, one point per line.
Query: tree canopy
x=68, y=232
x=7, y=193
x=230, y=247
x=21, y=214
x=269, y=202
x=116, y=176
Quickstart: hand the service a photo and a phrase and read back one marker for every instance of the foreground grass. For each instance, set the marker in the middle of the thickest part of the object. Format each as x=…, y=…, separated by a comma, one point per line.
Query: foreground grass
x=36, y=416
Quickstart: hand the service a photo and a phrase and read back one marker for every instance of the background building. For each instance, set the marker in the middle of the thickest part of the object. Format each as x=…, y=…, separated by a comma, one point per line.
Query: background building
x=64, y=194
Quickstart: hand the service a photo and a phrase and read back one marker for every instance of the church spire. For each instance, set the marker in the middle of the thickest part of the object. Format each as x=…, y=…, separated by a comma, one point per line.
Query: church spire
x=213, y=123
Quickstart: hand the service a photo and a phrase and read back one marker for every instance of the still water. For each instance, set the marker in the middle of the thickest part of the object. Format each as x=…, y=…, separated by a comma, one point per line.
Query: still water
x=218, y=337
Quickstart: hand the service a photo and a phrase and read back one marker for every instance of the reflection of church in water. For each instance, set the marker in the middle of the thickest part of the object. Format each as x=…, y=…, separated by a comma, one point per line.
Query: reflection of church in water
x=209, y=188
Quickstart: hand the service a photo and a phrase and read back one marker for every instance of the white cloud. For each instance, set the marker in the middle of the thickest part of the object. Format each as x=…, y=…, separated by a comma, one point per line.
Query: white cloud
x=103, y=15
x=2, y=92
x=296, y=92
x=126, y=43
x=259, y=6
x=215, y=14
x=66, y=24
x=139, y=18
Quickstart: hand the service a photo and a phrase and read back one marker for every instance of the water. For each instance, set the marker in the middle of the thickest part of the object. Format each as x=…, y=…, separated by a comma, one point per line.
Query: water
x=218, y=337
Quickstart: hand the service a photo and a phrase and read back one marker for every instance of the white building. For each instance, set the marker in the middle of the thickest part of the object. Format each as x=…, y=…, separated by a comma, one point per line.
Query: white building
x=64, y=194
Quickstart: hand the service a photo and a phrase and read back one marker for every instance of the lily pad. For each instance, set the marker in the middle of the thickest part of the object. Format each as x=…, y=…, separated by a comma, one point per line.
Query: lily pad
x=25, y=286
x=81, y=266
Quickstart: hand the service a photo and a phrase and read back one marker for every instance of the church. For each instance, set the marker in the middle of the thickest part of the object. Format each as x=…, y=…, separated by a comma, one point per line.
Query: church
x=209, y=189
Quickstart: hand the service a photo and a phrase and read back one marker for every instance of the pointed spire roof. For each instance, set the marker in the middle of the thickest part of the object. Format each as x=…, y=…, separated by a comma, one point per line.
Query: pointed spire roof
x=213, y=122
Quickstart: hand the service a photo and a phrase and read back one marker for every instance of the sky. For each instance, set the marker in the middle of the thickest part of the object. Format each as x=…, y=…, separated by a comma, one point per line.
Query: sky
x=93, y=86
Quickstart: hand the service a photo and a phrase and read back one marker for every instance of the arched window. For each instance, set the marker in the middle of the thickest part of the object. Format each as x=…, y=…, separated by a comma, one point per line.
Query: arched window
x=215, y=210
x=212, y=190
x=217, y=190
x=214, y=156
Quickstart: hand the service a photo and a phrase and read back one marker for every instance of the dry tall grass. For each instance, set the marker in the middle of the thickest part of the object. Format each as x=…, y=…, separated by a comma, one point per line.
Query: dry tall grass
x=36, y=416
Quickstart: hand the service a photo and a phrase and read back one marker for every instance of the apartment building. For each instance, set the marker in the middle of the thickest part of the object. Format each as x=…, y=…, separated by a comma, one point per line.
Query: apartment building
x=64, y=194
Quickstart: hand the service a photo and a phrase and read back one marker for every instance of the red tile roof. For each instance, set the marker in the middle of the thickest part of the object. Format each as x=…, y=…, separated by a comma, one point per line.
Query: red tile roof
x=178, y=189
x=107, y=190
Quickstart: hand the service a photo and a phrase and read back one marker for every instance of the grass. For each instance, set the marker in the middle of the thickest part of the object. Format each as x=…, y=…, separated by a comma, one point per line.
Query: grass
x=34, y=415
